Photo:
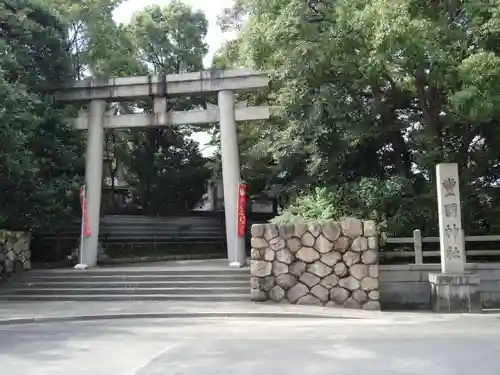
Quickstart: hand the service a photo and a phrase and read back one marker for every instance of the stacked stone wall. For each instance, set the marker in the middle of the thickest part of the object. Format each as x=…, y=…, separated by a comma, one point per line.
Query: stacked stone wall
x=15, y=254
x=329, y=264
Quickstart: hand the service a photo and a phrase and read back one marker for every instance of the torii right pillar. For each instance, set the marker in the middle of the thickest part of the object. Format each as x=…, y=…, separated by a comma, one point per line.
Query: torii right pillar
x=230, y=177
x=453, y=290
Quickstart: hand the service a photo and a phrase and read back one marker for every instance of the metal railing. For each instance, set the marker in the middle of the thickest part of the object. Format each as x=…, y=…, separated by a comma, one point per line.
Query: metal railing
x=418, y=252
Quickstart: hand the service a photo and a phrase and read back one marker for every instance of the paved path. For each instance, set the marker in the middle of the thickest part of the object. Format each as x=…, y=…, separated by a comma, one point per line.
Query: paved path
x=210, y=346
x=25, y=312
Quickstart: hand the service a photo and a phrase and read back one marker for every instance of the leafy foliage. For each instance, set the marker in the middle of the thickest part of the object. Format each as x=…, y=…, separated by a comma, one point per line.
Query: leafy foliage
x=164, y=166
x=40, y=156
x=387, y=202
x=373, y=92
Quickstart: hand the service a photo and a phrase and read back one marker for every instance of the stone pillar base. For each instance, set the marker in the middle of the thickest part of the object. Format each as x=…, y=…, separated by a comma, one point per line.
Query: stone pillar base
x=455, y=293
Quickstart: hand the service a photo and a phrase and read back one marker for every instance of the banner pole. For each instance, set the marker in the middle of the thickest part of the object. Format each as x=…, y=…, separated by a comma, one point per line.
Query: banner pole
x=82, y=199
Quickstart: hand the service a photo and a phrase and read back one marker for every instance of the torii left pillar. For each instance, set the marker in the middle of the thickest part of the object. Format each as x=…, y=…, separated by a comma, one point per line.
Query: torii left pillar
x=93, y=179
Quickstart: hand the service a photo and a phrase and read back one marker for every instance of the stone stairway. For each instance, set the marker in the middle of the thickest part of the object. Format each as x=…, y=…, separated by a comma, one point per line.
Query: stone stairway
x=129, y=284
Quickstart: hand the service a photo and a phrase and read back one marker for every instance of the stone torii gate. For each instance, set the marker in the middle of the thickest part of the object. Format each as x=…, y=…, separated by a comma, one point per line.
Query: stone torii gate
x=222, y=82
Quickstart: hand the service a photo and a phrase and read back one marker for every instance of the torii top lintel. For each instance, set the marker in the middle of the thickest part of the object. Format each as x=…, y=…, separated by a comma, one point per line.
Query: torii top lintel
x=129, y=88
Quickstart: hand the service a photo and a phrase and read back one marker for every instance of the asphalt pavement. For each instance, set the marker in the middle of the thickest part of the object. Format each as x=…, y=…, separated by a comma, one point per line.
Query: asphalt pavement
x=376, y=344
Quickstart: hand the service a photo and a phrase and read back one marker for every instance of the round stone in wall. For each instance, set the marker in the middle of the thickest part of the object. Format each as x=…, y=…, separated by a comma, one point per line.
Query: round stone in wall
x=258, y=295
x=254, y=282
x=284, y=256
x=340, y=269
x=267, y=283
x=369, y=228
x=330, y=281
x=372, y=243
x=299, y=230
x=323, y=245
x=359, y=296
x=258, y=230
x=372, y=305
x=332, y=304
x=374, y=295
x=359, y=271
x=279, y=268
x=339, y=295
x=286, y=281
x=269, y=255
x=331, y=230
x=319, y=269
x=359, y=244
x=352, y=227
x=369, y=257
x=349, y=283
x=342, y=244
x=351, y=304
x=308, y=240
x=307, y=254
x=260, y=268
x=369, y=283
x=258, y=243
x=277, y=243
x=314, y=229
x=270, y=231
x=320, y=292
x=330, y=259
x=373, y=271
x=294, y=244
x=255, y=254
x=277, y=294
x=297, y=268
x=350, y=258
x=297, y=291
x=286, y=231
x=309, y=279
x=309, y=300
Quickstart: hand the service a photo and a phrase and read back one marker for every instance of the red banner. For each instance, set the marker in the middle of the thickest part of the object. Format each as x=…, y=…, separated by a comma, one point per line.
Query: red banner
x=242, y=200
x=83, y=204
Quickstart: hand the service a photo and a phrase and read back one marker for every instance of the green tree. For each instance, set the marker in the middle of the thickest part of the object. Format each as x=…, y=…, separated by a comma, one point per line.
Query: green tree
x=164, y=167
x=40, y=156
x=374, y=90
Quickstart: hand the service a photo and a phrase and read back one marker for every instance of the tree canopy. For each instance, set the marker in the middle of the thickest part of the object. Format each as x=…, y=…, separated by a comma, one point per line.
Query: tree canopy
x=373, y=94
x=40, y=156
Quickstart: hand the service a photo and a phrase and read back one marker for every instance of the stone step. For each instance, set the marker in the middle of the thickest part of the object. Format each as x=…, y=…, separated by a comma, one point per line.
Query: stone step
x=130, y=278
x=240, y=272
x=113, y=284
x=127, y=297
x=114, y=291
x=129, y=283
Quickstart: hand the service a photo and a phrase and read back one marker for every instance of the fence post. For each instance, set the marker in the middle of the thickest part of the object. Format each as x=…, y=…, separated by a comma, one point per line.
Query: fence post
x=417, y=246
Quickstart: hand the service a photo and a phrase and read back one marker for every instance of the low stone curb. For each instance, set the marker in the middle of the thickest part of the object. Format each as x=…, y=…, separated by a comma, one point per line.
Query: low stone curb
x=83, y=318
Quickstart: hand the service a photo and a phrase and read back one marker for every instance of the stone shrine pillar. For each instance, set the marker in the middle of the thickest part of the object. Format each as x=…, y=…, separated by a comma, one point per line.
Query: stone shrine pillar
x=230, y=177
x=452, y=290
x=93, y=179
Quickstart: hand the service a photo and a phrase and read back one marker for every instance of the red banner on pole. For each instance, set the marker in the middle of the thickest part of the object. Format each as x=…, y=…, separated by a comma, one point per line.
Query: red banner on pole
x=242, y=200
x=83, y=204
